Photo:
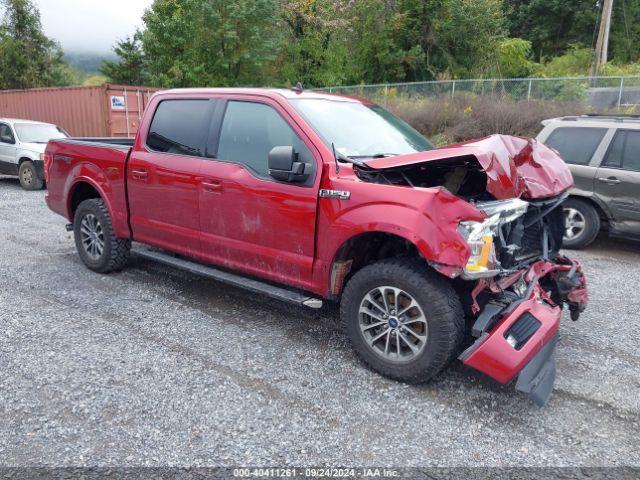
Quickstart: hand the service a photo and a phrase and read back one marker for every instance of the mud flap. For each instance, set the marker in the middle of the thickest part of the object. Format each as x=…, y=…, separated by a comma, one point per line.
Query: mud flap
x=538, y=377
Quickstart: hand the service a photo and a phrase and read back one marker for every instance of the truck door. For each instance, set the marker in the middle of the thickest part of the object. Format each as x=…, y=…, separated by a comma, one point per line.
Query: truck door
x=249, y=220
x=8, y=161
x=618, y=181
x=163, y=176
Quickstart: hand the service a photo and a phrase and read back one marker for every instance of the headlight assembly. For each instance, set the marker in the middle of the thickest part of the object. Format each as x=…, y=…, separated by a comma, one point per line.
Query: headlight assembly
x=480, y=236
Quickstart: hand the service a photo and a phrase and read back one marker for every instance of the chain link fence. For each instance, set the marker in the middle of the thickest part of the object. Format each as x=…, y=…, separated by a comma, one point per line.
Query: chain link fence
x=599, y=93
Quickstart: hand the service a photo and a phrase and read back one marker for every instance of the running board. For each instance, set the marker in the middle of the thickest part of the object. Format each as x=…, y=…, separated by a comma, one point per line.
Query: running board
x=279, y=293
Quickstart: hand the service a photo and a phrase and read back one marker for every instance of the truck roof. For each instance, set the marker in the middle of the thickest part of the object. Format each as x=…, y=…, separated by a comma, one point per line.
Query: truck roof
x=268, y=92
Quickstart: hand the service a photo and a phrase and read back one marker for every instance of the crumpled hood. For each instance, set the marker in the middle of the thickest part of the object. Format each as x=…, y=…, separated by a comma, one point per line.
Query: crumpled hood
x=515, y=166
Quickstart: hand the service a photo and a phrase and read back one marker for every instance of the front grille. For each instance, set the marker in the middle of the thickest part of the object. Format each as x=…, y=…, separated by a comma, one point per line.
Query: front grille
x=522, y=330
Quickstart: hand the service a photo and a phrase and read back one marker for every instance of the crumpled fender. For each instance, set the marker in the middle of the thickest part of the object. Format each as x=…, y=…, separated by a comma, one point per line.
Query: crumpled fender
x=427, y=217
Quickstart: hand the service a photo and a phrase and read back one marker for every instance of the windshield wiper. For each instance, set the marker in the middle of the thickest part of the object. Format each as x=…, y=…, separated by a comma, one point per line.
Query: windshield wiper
x=375, y=155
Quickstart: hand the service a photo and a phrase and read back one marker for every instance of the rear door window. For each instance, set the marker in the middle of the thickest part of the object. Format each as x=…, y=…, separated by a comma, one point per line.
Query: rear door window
x=178, y=127
x=249, y=132
x=624, y=151
x=576, y=145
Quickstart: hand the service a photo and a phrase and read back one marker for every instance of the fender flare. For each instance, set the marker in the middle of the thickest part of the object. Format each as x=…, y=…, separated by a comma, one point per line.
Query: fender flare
x=73, y=184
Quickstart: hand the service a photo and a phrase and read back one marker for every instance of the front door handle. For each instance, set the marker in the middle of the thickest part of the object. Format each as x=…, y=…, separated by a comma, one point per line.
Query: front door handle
x=212, y=186
x=139, y=175
x=609, y=181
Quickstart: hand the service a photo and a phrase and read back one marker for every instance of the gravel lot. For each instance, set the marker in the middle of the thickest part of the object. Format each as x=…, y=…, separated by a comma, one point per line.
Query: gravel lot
x=153, y=366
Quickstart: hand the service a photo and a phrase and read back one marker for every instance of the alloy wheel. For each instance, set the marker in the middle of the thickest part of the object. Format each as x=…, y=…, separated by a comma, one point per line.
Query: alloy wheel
x=574, y=223
x=92, y=236
x=393, y=324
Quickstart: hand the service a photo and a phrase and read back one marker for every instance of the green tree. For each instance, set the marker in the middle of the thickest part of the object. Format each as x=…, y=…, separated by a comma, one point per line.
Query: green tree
x=378, y=53
x=553, y=26
x=624, y=45
x=27, y=57
x=209, y=42
x=315, y=48
x=131, y=68
x=514, y=58
x=447, y=38
x=470, y=35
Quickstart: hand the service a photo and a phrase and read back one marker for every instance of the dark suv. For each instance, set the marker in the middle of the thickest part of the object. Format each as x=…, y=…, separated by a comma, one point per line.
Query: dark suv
x=603, y=153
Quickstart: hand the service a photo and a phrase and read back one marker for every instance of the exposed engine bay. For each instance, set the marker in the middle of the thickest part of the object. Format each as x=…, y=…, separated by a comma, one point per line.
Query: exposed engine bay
x=535, y=235
x=463, y=176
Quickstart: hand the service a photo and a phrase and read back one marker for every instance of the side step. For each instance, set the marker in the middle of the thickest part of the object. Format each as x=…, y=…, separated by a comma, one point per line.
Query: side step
x=250, y=284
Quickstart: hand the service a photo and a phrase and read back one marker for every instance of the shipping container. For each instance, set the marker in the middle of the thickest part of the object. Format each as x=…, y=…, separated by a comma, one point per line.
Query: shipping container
x=101, y=111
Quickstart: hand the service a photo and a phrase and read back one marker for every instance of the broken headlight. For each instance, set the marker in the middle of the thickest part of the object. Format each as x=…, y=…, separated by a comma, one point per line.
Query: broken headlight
x=480, y=236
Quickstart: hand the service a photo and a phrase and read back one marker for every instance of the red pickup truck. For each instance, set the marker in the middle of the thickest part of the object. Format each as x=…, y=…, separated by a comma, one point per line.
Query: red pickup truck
x=306, y=197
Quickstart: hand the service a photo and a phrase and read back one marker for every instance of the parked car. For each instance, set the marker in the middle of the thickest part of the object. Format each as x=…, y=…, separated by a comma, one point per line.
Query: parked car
x=603, y=153
x=307, y=198
x=22, y=145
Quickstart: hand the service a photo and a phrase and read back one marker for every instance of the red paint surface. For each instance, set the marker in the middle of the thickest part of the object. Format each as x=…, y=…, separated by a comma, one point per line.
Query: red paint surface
x=496, y=358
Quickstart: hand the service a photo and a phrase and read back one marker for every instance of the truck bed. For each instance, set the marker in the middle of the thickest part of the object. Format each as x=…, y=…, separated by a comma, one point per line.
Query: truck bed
x=118, y=142
x=97, y=164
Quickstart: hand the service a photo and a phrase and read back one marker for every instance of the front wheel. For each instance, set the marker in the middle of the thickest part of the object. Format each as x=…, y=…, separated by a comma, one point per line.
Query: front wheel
x=404, y=321
x=96, y=242
x=28, y=175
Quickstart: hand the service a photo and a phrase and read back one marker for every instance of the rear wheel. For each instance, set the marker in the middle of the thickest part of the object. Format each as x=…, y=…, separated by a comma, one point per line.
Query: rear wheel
x=582, y=224
x=29, y=179
x=403, y=320
x=97, y=245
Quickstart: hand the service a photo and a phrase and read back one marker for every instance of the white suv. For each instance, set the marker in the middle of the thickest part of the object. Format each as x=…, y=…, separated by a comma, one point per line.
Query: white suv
x=22, y=145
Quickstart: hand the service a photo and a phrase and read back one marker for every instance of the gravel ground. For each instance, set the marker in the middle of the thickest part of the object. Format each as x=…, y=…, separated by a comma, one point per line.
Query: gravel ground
x=153, y=366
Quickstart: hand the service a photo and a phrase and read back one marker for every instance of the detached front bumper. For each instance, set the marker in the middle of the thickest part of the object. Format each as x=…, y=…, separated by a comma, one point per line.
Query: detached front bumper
x=517, y=334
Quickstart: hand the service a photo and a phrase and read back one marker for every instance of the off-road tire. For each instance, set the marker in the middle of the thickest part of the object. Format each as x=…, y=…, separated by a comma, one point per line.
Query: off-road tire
x=116, y=250
x=592, y=224
x=28, y=176
x=437, y=299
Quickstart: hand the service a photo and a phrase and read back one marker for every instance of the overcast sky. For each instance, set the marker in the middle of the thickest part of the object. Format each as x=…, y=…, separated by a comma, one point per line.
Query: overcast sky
x=90, y=25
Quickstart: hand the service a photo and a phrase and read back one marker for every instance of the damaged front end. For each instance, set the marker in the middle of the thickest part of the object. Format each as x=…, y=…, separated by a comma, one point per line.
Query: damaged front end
x=508, y=265
x=522, y=284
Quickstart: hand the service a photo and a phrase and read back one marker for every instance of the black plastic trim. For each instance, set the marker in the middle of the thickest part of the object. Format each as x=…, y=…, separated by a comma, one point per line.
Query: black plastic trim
x=539, y=375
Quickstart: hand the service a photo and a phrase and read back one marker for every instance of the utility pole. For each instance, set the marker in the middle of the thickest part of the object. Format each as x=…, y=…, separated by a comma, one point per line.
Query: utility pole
x=602, y=45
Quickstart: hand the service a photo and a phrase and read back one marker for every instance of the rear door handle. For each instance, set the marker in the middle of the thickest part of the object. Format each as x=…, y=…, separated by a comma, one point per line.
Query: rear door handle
x=609, y=181
x=139, y=174
x=212, y=186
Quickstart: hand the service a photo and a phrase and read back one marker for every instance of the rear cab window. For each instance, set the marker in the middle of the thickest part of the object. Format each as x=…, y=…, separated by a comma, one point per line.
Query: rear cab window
x=576, y=145
x=178, y=127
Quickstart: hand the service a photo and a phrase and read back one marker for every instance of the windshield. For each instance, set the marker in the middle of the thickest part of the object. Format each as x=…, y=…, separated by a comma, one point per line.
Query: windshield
x=360, y=131
x=38, y=132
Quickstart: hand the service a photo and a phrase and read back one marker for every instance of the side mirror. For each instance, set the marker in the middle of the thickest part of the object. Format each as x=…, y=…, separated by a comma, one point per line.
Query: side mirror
x=7, y=139
x=284, y=165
